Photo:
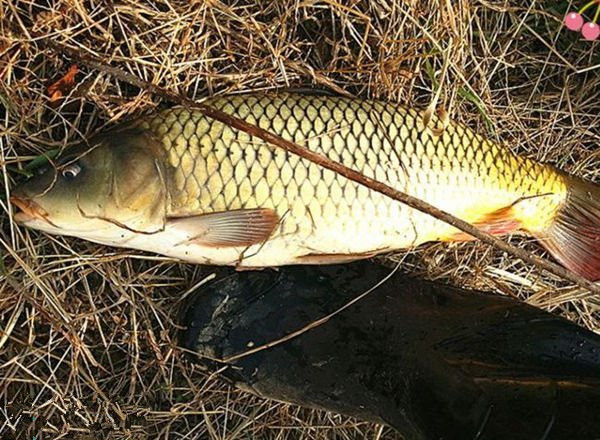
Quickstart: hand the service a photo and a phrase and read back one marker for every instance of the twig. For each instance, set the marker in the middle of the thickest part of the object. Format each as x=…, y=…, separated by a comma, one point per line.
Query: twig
x=94, y=62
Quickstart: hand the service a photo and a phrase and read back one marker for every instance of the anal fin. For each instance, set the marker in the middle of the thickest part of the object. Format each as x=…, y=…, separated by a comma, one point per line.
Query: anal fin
x=499, y=222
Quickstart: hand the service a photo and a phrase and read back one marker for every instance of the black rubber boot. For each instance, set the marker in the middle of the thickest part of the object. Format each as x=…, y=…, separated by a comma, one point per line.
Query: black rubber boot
x=432, y=361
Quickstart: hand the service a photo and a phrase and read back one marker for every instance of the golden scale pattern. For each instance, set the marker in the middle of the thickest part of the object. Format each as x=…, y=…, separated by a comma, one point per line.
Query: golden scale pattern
x=217, y=168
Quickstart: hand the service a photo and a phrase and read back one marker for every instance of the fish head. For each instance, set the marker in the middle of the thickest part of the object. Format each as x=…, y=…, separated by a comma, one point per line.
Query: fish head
x=103, y=190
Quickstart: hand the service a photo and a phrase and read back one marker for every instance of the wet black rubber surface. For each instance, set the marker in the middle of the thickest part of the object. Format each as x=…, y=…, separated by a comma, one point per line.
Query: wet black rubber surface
x=432, y=361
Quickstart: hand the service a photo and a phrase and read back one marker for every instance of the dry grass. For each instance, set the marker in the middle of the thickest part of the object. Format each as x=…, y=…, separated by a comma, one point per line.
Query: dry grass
x=88, y=332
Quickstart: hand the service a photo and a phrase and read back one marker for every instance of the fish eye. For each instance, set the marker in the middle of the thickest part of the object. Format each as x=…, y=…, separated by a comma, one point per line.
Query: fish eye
x=71, y=171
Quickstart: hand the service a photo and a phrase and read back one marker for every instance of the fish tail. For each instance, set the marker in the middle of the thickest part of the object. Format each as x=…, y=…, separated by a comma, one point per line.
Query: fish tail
x=573, y=236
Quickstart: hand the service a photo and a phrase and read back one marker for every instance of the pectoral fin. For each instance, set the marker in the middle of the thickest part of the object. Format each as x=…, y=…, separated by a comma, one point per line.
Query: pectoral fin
x=243, y=227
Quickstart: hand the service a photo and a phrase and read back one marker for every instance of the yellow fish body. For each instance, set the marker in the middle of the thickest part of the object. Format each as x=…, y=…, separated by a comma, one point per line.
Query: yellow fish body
x=210, y=193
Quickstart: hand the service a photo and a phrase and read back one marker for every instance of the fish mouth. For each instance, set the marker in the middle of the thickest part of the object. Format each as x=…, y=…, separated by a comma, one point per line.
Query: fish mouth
x=27, y=210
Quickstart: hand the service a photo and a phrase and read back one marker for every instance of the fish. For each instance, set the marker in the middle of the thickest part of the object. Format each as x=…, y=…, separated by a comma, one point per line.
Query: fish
x=430, y=360
x=181, y=184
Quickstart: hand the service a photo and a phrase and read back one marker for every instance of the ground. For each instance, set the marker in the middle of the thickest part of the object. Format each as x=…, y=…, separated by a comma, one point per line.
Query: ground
x=88, y=333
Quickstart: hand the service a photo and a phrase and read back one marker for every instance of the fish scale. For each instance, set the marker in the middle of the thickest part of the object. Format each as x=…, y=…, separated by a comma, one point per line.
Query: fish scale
x=219, y=168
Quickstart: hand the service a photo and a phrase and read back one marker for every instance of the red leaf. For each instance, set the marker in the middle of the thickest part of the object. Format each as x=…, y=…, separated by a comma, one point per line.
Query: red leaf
x=61, y=87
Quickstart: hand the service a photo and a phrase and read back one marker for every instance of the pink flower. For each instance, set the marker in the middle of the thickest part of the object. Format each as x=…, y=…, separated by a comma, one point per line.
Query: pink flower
x=590, y=31
x=573, y=21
